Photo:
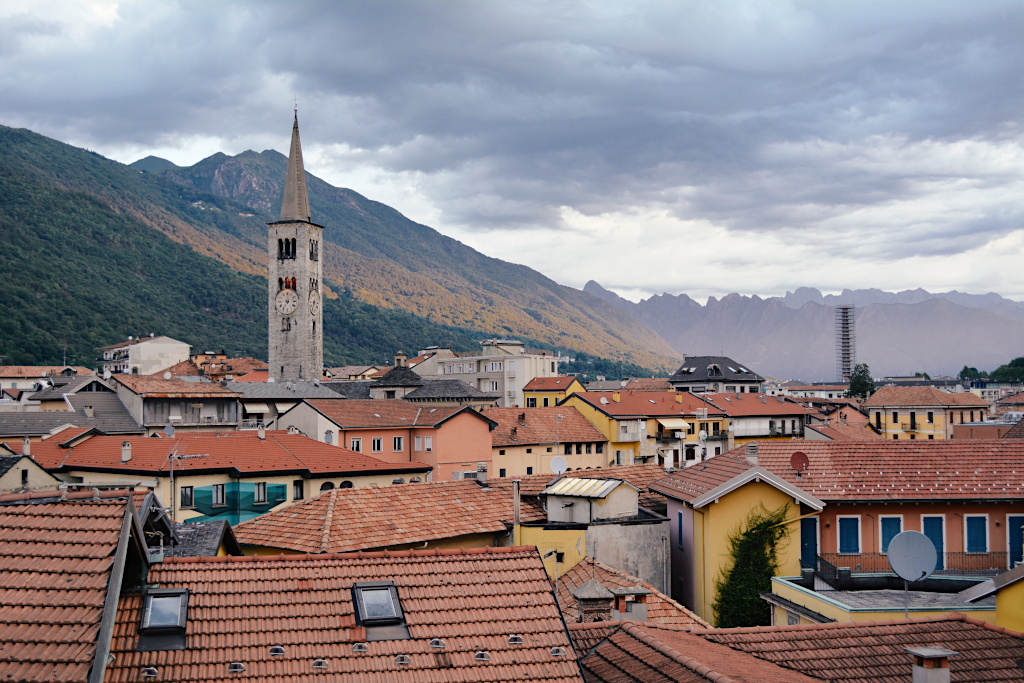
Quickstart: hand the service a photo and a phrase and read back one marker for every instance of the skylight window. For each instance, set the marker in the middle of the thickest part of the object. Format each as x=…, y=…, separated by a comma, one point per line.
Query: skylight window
x=378, y=609
x=164, y=615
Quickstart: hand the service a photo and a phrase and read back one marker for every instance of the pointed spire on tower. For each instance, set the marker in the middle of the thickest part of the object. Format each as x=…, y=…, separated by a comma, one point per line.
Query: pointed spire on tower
x=295, y=206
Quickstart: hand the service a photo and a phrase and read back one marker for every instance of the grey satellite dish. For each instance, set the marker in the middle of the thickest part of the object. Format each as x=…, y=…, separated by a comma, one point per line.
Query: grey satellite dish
x=912, y=555
x=168, y=375
x=558, y=464
x=106, y=374
x=169, y=430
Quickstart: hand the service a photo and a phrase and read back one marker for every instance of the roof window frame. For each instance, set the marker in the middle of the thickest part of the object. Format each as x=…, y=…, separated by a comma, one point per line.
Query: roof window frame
x=146, y=625
x=359, y=590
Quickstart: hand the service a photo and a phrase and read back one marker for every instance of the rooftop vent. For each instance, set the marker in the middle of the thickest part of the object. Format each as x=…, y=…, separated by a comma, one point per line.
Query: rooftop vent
x=437, y=642
x=359, y=647
x=482, y=656
x=402, y=659
x=277, y=650
x=236, y=668
x=320, y=664
x=558, y=651
x=515, y=640
x=149, y=672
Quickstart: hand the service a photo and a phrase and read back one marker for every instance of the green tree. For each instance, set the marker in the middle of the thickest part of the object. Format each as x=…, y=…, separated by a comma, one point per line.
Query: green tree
x=972, y=373
x=1011, y=372
x=861, y=384
x=754, y=550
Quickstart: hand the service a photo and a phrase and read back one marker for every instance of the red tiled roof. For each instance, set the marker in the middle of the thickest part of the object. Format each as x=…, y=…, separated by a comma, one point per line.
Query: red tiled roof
x=385, y=412
x=900, y=470
x=1016, y=400
x=549, y=383
x=640, y=476
x=841, y=432
x=257, y=375
x=56, y=562
x=695, y=481
x=148, y=385
x=649, y=384
x=641, y=651
x=644, y=404
x=748, y=405
x=1016, y=431
x=563, y=424
x=346, y=520
x=37, y=371
x=895, y=397
x=243, y=451
x=185, y=368
x=661, y=609
x=472, y=599
x=873, y=651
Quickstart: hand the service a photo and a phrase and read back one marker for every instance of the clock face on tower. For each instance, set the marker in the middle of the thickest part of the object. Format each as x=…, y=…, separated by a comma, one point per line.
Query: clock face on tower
x=287, y=301
x=314, y=303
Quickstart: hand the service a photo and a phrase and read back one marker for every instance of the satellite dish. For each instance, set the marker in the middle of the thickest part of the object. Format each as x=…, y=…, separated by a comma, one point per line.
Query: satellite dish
x=799, y=462
x=169, y=430
x=271, y=379
x=702, y=436
x=168, y=375
x=558, y=464
x=106, y=374
x=912, y=555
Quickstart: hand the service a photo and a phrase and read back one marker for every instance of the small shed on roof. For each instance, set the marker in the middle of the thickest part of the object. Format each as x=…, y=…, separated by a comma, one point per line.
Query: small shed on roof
x=582, y=501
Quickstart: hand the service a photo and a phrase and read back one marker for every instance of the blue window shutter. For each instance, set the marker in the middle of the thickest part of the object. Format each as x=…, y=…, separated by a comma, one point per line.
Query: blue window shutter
x=976, y=536
x=849, y=535
x=890, y=527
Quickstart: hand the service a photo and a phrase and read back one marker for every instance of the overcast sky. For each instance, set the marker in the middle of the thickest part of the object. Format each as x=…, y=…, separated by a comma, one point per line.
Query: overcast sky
x=697, y=147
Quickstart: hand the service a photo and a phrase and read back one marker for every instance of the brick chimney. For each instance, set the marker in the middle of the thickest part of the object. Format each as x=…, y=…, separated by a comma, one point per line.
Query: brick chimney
x=126, y=451
x=594, y=601
x=931, y=664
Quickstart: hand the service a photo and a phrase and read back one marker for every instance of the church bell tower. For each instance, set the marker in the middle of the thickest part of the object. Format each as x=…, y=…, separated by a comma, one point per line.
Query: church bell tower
x=295, y=330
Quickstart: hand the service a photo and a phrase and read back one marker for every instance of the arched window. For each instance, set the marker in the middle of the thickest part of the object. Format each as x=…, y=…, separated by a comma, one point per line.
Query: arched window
x=280, y=283
x=327, y=486
x=345, y=485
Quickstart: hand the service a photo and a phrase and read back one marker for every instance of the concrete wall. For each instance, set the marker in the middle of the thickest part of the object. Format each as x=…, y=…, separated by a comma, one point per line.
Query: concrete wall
x=638, y=549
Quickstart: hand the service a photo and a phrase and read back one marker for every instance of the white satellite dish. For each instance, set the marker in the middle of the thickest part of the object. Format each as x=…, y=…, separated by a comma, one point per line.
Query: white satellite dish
x=558, y=464
x=912, y=555
x=702, y=436
x=271, y=379
x=168, y=375
x=106, y=374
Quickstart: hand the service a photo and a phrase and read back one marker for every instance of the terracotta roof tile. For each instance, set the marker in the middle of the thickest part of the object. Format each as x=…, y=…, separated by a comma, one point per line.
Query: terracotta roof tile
x=388, y=516
x=55, y=562
x=640, y=476
x=749, y=405
x=695, y=481
x=641, y=651
x=645, y=403
x=900, y=470
x=562, y=424
x=894, y=396
x=549, y=383
x=148, y=385
x=873, y=652
x=473, y=599
x=841, y=432
x=355, y=413
x=242, y=451
x=661, y=609
x=36, y=371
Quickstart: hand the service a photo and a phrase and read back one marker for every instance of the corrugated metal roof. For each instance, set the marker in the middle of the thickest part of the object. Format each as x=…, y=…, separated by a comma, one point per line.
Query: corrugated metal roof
x=582, y=488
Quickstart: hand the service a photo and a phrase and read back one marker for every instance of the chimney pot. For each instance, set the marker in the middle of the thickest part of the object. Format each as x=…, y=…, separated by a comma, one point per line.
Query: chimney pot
x=88, y=411
x=26, y=446
x=126, y=451
x=751, y=453
x=931, y=664
x=262, y=433
x=616, y=397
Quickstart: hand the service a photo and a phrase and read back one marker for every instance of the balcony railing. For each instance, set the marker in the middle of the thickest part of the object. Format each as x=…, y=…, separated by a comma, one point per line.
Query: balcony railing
x=955, y=563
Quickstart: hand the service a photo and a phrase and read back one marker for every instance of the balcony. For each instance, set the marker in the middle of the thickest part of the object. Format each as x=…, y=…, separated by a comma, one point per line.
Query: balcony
x=950, y=563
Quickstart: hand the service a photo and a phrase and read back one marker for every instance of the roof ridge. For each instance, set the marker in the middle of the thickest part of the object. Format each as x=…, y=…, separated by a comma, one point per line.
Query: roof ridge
x=356, y=555
x=636, y=630
x=85, y=493
x=949, y=616
x=650, y=587
x=325, y=531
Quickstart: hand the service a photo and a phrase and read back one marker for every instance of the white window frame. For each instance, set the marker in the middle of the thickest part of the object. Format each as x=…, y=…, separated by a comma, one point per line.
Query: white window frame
x=182, y=504
x=219, y=495
x=377, y=444
x=428, y=444
x=398, y=444
x=988, y=535
x=259, y=494
x=355, y=443
x=860, y=535
x=417, y=443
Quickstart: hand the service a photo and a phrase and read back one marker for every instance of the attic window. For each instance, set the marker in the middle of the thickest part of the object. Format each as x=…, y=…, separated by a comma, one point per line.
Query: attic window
x=164, y=615
x=378, y=609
